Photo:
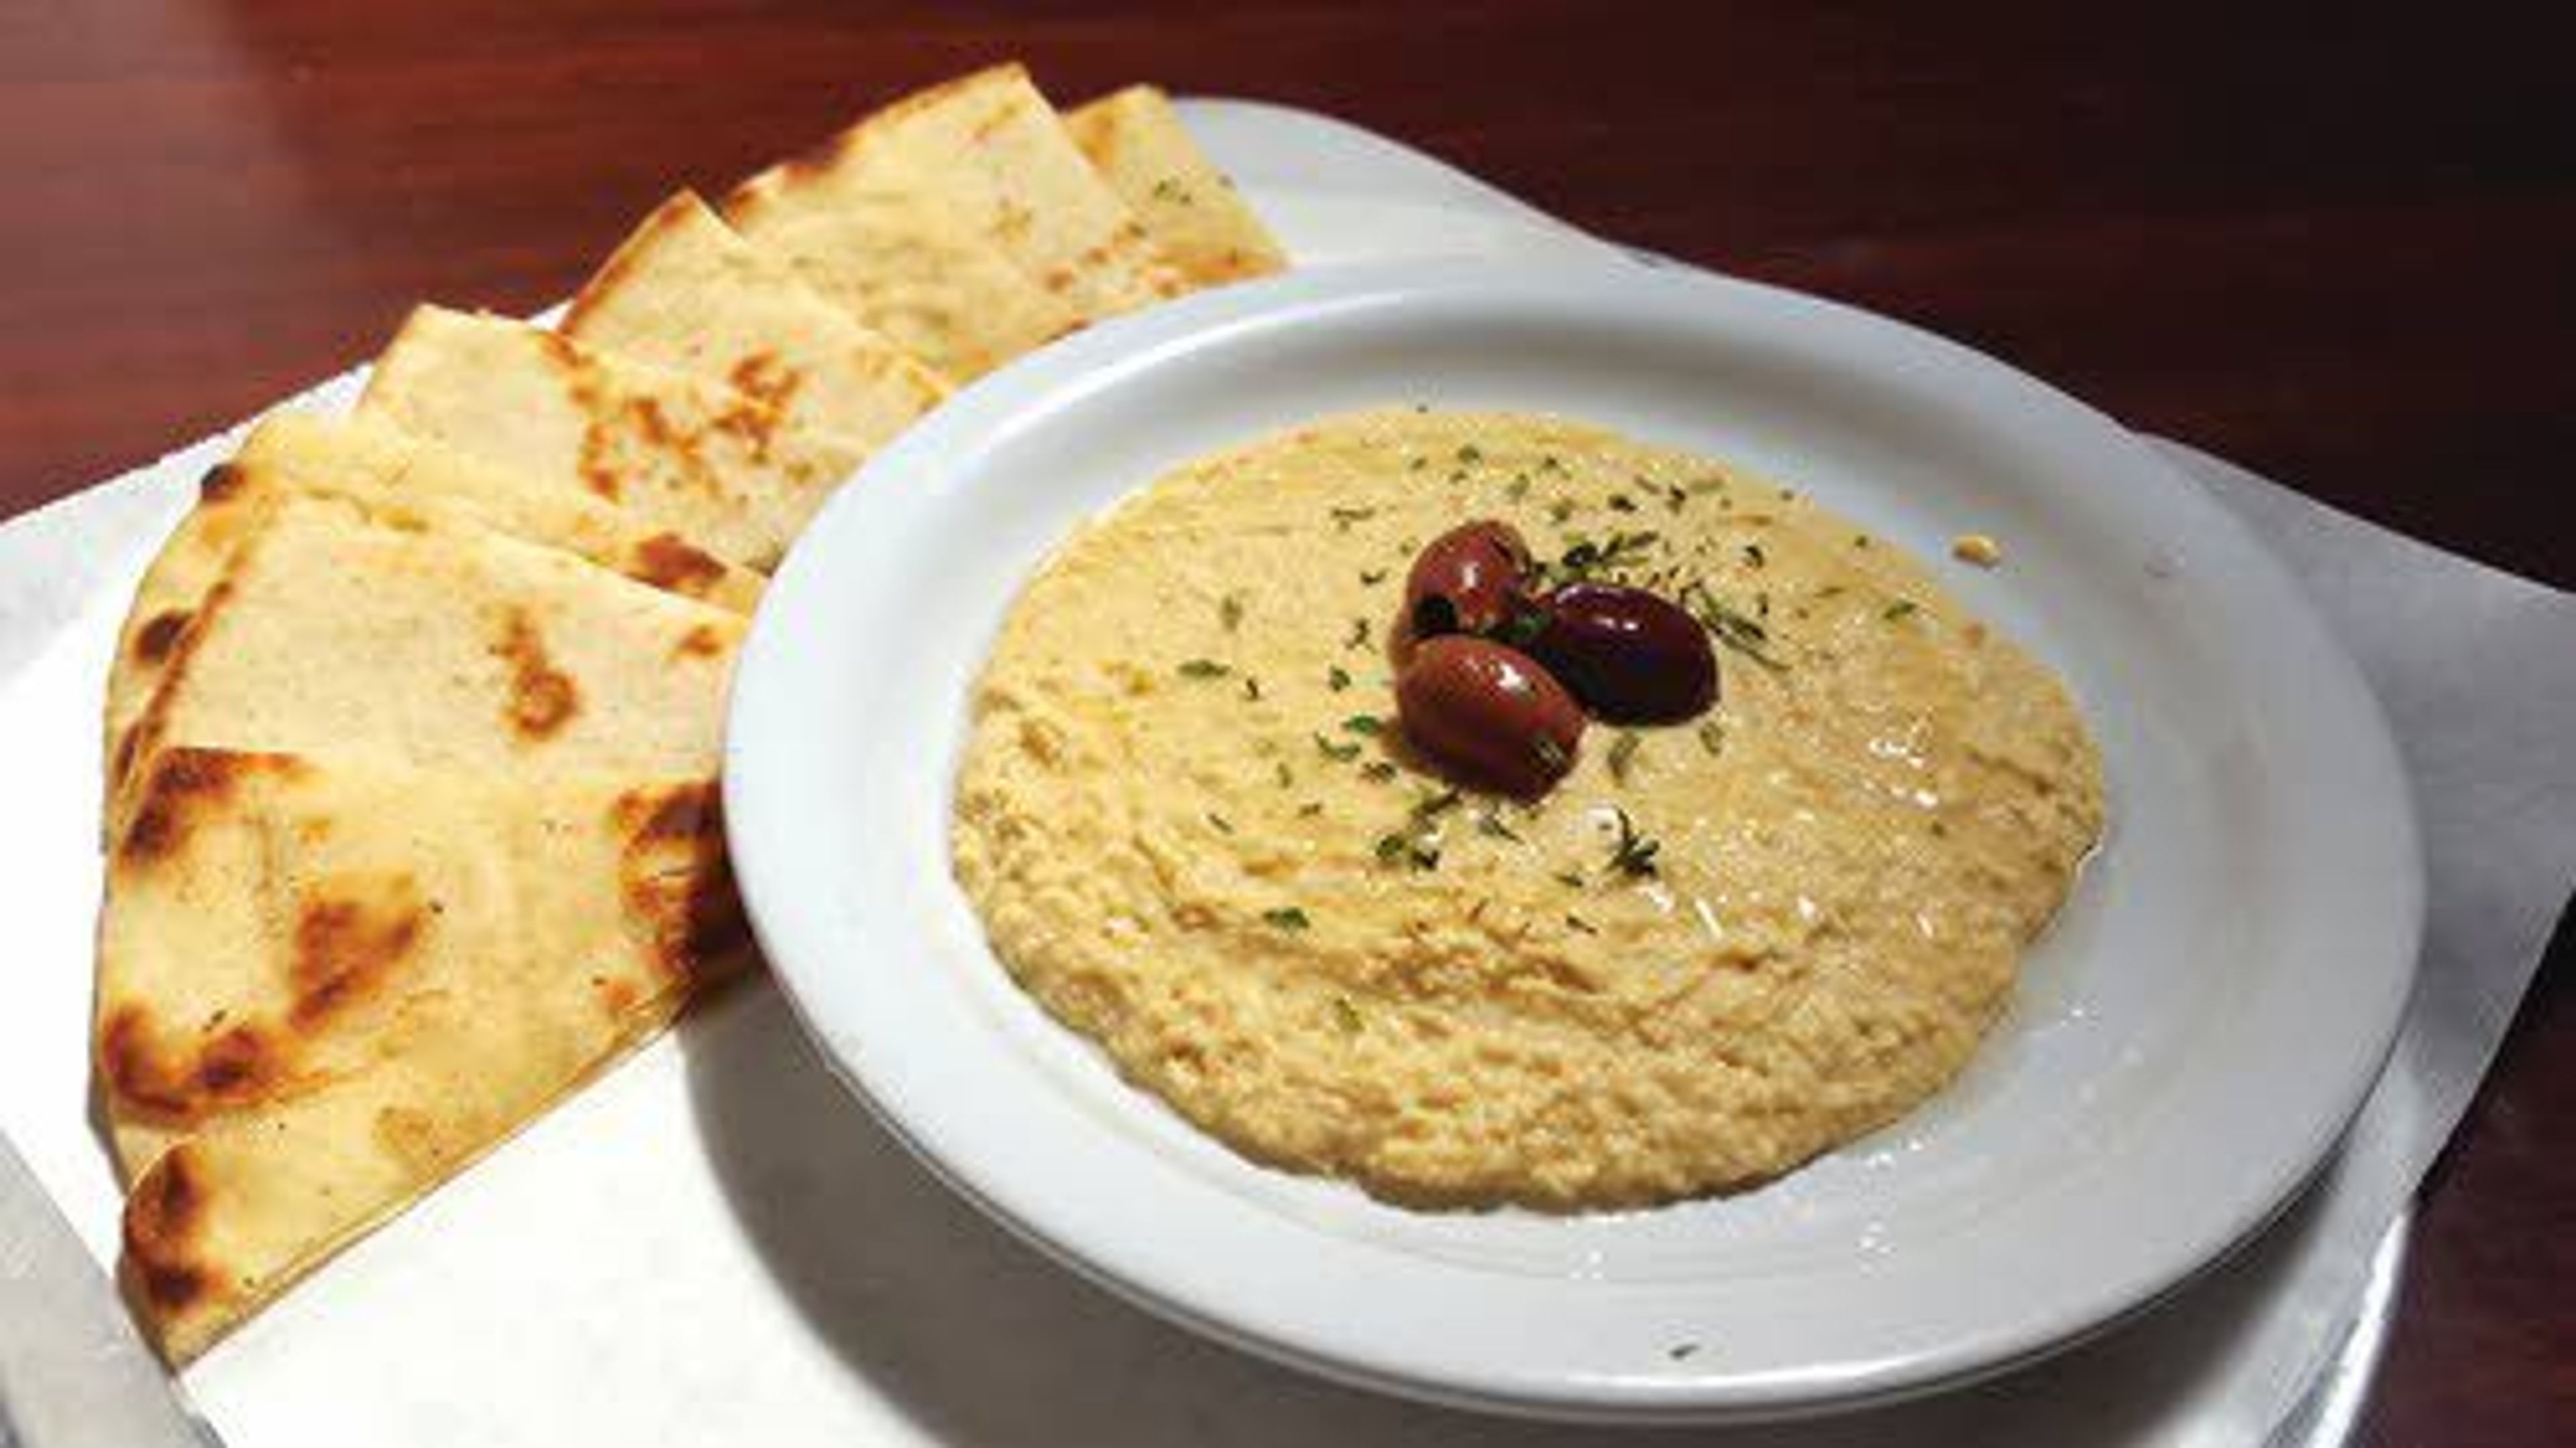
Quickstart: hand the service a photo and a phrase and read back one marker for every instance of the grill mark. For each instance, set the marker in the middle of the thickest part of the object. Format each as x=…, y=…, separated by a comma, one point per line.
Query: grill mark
x=542, y=698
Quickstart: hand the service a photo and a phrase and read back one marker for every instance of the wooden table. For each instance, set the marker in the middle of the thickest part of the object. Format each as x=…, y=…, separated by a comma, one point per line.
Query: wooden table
x=2337, y=249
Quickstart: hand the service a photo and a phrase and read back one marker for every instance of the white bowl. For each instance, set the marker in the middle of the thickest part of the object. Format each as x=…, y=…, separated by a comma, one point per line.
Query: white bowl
x=2187, y=1042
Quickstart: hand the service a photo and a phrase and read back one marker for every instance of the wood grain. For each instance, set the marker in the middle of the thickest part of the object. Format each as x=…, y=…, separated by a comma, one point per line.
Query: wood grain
x=2331, y=245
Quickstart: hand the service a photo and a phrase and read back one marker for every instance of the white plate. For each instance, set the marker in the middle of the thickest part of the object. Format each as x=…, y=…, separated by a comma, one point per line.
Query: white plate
x=2187, y=1043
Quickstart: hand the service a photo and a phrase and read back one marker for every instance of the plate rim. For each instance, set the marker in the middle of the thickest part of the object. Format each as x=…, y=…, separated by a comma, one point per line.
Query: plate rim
x=1069, y=369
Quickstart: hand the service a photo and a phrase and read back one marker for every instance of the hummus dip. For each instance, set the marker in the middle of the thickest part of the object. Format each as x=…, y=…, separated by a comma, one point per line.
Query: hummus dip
x=1189, y=821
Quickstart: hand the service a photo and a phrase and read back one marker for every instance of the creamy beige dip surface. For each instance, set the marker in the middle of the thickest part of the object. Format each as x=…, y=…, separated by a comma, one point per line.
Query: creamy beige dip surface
x=1189, y=822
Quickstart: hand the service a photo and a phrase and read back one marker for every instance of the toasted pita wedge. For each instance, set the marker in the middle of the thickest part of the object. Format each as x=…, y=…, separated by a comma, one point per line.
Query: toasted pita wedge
x=361, y=629
x=684, y=292
x=999, y=152
x=712, y=463
x=374, y=465
x=897, y=254
x=1137, y=143
x=326, y=984
x=368, y=459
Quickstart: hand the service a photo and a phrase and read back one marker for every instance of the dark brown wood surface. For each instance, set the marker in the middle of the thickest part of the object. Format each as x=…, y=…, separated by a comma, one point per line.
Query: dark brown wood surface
x=2337, y=247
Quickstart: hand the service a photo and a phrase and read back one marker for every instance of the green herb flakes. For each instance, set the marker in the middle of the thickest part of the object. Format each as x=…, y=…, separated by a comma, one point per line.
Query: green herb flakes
x=1623, y=753
x=1899, y=609
x=1368, y=724
x=1337, y=678
x=1343, y=518
x=1203, y=669
x=1577, y=922
x=1346, y=1015
x=1634, y=854
x=1220, y=823
x=1287, y=917
x=1229, y=611
x=1712, y=737
x=1340, y=753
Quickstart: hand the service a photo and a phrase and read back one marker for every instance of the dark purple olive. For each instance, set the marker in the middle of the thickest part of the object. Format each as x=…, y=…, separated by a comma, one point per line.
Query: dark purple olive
x=1488, y=714
x=1631, y=656
x=1467, y=580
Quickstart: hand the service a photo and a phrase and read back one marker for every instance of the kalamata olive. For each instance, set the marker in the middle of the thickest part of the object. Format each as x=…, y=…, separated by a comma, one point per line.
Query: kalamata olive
x=1488, y=714
x=1467, y=580
x=1631, y=656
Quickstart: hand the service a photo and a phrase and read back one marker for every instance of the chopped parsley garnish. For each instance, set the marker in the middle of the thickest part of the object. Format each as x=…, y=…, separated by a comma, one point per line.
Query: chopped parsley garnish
x=1584, y=558
x=1251, y=687
x=1346, y=1014
x=1411, y=847
x=1279, y=771
x=1623, y=752
x=1310, y=809
x=1223, y=827
x=1745, y=635
x=1433, y=806
x=1337, y=678
x=1377, y=769
x=1368, y=724
x=1343, y=753
x=1372, y=576
x=1359, y=635
x=1343, y=518
x=1286, y=918
x=1229, y=611
x=1203, y=669
x=1548, y=463
x=1569, y=879
x=1517, y=489
x=1560, y=510
x=1753, y=555
x=1577, y=922
x=1712, y=737
x=1490, y=822
x=1471, y=454
x=1634, y=855
x=1899, y=609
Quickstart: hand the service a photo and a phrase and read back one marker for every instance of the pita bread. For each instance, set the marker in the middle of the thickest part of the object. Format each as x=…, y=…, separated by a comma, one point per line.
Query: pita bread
x=997, y=151
x=370, y=460
x=896, y=254
x=340, y=628
x=325, y=985
x=684, y=292
x=711, y=463
x=1137, y=143
x=375, y=466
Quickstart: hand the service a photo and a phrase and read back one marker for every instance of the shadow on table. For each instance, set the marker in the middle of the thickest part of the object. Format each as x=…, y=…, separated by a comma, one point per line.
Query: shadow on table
x=980, y=1339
